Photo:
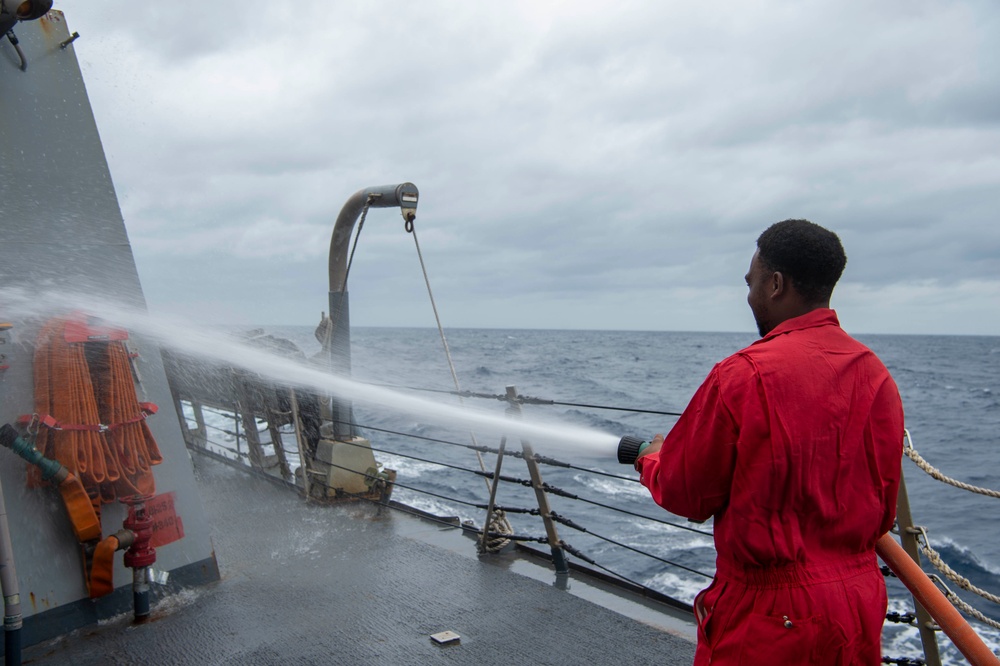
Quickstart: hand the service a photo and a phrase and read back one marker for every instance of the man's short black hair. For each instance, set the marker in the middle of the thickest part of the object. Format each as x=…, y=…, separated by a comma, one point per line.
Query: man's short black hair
x=811, y=256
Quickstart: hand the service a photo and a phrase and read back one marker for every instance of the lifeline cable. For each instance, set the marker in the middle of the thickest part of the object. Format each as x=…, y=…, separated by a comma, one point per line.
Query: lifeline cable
x=556, y=517
x=522, y=482
x=525, y=400
x=486, y=449
x=451, y=523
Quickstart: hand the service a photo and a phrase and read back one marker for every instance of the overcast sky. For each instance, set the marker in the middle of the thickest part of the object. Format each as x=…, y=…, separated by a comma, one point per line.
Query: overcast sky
x=604, y=165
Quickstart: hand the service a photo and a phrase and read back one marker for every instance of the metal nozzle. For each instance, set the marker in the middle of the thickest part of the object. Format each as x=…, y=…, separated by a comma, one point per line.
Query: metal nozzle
x=51, y=469
x=629, y=449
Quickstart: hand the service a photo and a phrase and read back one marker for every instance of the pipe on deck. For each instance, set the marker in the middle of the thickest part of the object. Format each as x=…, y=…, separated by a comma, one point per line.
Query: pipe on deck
x=12, y=619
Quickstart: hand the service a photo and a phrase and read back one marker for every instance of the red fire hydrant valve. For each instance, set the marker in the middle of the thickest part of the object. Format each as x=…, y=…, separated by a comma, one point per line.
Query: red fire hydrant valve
x=140, y=553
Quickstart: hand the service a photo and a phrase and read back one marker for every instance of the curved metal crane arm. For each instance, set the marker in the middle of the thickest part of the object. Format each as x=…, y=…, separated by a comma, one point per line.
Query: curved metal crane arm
x=404, y=195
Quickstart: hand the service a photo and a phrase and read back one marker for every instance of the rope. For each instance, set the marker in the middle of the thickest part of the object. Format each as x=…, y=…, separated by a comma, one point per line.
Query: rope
x=951, y=574
x=912, y=454
x=497, y=520
x=963, y=606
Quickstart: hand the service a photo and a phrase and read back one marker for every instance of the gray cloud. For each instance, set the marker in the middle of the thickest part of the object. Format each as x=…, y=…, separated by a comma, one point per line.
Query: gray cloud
x=584, y=165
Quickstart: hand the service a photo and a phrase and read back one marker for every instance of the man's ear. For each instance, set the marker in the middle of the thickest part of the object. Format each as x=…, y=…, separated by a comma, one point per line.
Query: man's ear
x=779, y=284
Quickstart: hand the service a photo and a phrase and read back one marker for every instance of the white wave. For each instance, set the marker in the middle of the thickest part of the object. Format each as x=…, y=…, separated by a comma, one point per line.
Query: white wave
x=429, y=505
x=939, y=541
x=612, y=487
x=680, y=539
x=685, y=588
x=407, y=467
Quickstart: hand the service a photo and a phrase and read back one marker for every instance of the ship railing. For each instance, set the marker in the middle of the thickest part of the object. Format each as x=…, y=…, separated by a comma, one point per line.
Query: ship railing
x=227, y=432
x=591, y=546
x=915, y=540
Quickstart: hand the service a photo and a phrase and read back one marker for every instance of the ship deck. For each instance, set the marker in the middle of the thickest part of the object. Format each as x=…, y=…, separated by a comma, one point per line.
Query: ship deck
x=359, y=584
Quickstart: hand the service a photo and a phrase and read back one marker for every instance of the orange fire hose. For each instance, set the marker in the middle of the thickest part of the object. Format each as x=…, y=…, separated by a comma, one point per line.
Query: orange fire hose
x=63, y=390
x=96, y=428
x=85, y=521
x=933, y=600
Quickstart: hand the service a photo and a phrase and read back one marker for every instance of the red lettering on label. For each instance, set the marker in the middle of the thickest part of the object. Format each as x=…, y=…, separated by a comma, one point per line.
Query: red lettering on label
x=167, y=526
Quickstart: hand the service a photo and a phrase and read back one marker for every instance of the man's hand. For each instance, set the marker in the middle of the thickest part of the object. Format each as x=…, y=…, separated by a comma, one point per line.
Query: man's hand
x=654, y=447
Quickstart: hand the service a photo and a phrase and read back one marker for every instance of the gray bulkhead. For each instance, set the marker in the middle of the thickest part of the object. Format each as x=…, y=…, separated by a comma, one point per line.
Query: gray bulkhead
x=61, y=230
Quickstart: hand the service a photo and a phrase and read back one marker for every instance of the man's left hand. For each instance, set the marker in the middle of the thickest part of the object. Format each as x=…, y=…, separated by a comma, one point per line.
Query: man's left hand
x=654, y=447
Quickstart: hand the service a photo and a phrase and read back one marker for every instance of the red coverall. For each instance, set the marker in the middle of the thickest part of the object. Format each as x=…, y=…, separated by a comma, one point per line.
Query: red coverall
x=793, y=445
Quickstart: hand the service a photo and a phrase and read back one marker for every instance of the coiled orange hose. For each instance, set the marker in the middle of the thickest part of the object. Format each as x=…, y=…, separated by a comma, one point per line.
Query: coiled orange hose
x=102, y=437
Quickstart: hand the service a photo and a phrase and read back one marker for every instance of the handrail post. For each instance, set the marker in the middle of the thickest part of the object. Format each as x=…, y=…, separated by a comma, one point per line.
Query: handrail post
x=303, y=461
x=908, y=536
x=555, y=545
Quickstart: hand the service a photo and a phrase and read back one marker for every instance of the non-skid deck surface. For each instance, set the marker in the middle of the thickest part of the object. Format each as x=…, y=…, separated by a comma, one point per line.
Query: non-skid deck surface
x=306, y=584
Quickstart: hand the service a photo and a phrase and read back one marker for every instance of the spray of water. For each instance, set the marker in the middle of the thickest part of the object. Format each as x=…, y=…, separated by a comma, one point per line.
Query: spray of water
x=196, y=341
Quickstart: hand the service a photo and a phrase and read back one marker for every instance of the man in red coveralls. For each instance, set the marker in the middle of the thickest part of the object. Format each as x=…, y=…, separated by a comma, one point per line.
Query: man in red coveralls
x=793, y=445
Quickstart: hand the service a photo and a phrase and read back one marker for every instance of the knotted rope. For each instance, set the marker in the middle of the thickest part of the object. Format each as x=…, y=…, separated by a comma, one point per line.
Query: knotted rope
x=963, y=606
x=912, y=454
x=951, y=574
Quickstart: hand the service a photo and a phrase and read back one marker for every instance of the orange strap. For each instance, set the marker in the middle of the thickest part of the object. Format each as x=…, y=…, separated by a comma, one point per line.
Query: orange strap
x=35, y=421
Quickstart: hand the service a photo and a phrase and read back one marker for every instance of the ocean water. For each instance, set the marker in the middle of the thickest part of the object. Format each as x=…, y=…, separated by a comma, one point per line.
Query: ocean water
x=950, y=387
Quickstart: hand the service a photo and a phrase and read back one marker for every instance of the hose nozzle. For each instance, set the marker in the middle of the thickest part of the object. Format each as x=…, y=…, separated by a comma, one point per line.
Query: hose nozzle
x=629, y=449
x=51, y=469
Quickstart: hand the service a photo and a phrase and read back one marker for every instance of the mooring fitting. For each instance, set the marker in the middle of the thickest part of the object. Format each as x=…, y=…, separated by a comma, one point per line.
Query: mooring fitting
x=630, y=448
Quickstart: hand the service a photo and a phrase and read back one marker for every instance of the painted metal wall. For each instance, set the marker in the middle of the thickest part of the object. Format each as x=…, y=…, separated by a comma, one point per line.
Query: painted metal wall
x=61, y=229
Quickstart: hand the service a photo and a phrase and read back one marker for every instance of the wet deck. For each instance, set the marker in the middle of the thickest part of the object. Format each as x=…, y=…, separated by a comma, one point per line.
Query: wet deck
x=306, y=584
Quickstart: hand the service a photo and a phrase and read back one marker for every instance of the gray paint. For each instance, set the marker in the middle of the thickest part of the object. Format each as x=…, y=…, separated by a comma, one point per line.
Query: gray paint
x=61, y=229
x=338, y=345
x=308, y=584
